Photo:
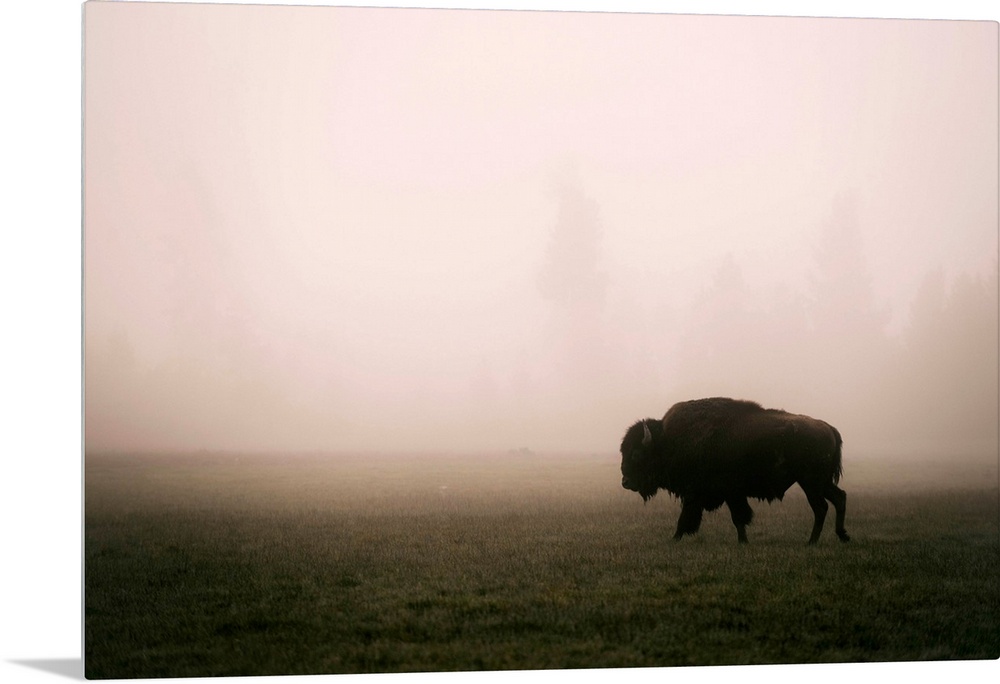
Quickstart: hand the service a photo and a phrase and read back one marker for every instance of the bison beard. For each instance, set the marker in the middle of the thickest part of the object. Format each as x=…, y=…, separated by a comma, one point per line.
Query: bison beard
x=710, y=452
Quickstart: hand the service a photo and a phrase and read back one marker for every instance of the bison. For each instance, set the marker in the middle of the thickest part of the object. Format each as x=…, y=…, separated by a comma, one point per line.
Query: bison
x=710, y=452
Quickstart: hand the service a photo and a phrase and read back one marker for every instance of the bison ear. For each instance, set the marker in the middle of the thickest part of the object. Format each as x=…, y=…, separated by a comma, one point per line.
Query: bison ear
x=647, y=436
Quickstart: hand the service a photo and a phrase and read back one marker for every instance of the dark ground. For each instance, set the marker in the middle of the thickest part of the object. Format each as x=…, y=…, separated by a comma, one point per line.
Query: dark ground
x=222, y=564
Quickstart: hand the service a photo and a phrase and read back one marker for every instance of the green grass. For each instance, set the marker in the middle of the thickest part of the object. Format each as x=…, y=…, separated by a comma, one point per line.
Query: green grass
x=211, y=565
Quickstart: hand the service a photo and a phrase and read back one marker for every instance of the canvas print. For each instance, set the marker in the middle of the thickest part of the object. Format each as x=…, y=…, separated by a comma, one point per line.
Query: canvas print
x=425, y=340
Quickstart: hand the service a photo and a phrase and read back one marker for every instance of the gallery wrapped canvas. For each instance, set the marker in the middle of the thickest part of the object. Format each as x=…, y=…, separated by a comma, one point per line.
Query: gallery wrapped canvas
x=371, y=296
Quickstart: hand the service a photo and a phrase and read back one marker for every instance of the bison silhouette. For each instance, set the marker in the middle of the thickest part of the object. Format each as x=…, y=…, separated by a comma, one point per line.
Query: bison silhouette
x=710, y=452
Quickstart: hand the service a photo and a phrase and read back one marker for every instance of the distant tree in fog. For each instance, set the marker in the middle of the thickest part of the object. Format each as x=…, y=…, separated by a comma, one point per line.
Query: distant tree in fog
x=572, y=277
x=849, y=345
x=843, y=309
x=945, y=376
x=740, y=342
x=714, y=354
x=578, y=373
x=822, y=347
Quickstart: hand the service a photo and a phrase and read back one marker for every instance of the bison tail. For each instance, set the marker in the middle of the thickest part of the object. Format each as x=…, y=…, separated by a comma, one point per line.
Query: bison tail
x=838, y=466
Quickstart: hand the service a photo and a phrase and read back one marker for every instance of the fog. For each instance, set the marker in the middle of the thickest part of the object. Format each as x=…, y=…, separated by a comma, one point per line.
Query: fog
x=426, y=230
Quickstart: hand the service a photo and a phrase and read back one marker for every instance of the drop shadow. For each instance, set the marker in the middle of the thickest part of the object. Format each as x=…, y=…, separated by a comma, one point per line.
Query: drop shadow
x=71, y=668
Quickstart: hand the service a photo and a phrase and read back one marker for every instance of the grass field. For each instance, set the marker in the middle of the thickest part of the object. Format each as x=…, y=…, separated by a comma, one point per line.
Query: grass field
x=222, y=564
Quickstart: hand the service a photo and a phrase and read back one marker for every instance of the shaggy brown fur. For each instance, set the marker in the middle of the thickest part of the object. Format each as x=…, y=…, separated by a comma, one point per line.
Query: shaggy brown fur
x=713, y=451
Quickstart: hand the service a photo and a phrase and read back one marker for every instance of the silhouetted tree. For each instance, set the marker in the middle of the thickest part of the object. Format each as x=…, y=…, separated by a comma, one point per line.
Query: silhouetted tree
x=849, y=346
x=945, y=376
x=739, y=343
x=716, y=348
x=577, y=367
x=572, y=277
x=844, y=312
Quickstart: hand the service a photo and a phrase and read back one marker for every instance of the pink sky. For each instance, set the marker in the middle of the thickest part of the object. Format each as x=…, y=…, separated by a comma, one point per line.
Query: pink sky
x=354, y=204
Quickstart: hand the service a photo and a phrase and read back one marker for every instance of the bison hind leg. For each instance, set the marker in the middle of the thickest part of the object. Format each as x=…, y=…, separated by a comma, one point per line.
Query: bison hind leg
x=838, y=497
x=819, y=507
x=742, y=514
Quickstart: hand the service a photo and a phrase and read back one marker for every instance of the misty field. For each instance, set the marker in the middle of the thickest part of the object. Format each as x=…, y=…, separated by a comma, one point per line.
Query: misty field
x=224, y=564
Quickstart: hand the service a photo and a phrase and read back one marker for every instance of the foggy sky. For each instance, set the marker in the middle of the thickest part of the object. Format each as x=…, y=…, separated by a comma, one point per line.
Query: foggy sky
x=341, y=229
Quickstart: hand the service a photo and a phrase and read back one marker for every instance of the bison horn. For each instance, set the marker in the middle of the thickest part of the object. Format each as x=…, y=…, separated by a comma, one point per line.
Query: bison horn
x=647, y=436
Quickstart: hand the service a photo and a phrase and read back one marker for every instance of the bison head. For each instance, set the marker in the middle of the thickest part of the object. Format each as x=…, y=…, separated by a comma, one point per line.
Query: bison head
x=638, y=449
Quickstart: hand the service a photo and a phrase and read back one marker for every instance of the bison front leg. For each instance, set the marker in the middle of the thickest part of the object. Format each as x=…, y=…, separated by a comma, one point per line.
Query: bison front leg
x=690, y=519
x=741, y=514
